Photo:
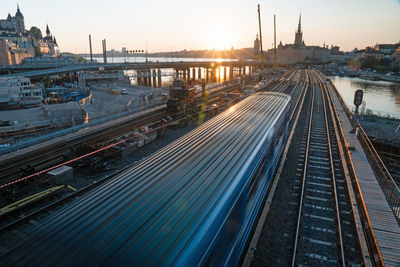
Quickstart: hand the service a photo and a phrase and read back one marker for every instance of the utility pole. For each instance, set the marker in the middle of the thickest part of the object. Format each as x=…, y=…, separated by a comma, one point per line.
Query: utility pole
x=104, y=51
x=262, y=54
x=275, y=41
x=90, y=45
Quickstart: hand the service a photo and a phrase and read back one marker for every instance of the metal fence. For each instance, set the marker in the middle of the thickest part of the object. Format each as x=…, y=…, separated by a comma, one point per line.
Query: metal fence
x=385, y=179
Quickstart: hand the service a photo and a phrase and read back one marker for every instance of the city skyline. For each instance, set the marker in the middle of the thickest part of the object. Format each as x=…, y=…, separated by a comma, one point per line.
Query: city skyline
x=177, y=25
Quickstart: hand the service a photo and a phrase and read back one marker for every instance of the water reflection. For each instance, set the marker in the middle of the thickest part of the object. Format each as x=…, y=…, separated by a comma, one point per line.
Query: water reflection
x=380, y=96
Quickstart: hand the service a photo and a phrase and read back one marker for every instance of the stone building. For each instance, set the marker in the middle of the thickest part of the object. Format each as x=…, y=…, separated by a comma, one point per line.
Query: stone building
x=18, y=44
x=16, y=22
x=298, y=52
x=49, y=45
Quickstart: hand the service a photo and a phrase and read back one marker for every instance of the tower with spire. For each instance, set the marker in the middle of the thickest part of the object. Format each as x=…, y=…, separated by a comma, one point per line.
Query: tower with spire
x=298, y=40
x=47, y=30
x=256, y=45
x=20, y=23
x=14, y=23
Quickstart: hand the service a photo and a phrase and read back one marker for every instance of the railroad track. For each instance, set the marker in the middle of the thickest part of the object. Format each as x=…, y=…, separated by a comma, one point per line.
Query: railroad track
x=308, y=211
x=43, y=158
x=325, y=231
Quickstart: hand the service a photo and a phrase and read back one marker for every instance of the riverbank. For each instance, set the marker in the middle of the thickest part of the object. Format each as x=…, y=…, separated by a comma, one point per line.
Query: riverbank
x=385, y=129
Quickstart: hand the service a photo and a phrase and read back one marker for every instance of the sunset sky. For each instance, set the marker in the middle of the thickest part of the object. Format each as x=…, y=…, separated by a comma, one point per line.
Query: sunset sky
x=178, y=24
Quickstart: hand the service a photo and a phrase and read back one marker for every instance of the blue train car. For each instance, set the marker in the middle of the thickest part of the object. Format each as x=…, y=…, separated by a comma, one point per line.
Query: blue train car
x=193, y=202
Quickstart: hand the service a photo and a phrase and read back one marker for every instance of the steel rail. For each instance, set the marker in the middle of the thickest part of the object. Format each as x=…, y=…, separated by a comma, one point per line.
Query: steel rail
x=350, y=190
x=373, y=247
x=339, y=225
x=303, y=178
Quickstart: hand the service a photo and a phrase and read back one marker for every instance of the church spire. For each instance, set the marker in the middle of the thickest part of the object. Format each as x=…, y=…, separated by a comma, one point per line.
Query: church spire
x=18, y=11
x=299, y=28
x=298, y=40
x=47, y=30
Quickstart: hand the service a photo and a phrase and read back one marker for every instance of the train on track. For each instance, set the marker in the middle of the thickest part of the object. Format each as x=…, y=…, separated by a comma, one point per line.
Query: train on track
x=194, y=202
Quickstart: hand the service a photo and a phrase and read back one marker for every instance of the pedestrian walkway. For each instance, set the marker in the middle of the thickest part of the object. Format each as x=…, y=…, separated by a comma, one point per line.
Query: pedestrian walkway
x=383, y=221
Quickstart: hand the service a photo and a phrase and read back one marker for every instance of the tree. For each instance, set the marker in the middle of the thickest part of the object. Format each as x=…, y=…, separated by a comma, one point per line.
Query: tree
x=37, y=51
x=355, y=63
x=370, y=62
x=36, y=33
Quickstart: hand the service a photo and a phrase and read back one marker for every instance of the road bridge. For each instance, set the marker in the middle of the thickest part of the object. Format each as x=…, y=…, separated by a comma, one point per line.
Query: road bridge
x=40, y=70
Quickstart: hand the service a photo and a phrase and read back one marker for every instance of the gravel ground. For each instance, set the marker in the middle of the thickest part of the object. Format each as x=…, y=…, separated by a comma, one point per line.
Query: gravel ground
x=276, y=240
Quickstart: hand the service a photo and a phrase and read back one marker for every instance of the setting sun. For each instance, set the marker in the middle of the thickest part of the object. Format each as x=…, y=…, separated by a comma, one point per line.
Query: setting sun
x=220, y=38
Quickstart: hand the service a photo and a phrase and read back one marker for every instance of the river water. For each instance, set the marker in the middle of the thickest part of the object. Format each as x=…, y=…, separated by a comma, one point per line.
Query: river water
x=381, y=98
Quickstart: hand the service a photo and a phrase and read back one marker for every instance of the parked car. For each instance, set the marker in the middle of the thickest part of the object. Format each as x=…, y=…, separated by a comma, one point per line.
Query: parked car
x=124, y=91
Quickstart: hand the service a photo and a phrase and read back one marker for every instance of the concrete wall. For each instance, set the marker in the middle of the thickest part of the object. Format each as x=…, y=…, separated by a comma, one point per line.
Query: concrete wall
x=5, y=55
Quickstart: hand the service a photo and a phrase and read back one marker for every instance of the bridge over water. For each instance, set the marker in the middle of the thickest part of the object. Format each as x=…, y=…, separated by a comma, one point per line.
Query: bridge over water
x=39, y=70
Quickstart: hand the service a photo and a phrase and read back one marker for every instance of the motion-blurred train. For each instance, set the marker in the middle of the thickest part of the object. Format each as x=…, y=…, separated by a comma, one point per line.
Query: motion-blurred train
x=194, y=202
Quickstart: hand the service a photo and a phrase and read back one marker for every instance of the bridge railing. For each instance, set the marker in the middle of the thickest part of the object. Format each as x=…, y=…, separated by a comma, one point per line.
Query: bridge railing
x=385, y=179
x=92, y=122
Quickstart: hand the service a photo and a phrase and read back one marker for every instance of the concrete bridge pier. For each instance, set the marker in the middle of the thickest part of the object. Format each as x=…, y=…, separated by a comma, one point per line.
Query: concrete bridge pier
x=240, y=71
x=188, y=73
x=177, y=73
x=146, y=77
x=199, y=74
x=159, y=77
x=149, y=77
x=230, y=73
x=138, y=77
x=142, y=78
x=213, y=74
x=154, y=78
x=184, y=74
x=194, y=73
x=207, y=74
x=224, y=73
x=148, y=80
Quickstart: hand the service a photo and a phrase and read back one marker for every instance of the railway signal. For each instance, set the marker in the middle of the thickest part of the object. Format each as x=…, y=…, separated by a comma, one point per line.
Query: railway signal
x=358, y=97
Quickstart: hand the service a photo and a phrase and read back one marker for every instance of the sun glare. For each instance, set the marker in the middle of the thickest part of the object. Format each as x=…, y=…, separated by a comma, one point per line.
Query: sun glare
x=219, y=38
